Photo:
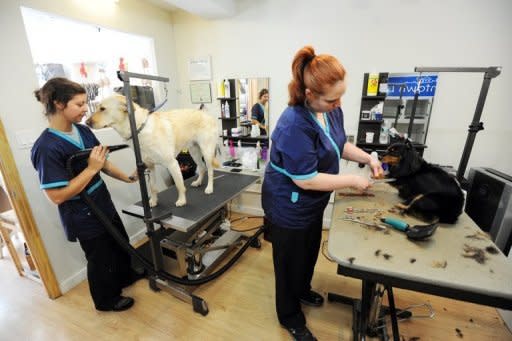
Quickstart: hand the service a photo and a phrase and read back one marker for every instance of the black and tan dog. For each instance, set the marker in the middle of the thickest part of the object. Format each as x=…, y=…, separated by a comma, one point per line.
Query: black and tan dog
x=429, y=191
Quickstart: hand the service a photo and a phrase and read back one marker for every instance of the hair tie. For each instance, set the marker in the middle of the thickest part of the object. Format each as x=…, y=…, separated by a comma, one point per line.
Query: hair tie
x=306, y=63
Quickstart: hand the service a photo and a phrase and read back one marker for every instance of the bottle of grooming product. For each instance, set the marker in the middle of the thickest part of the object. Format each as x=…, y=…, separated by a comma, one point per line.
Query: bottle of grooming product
x=373, y=84
x=384, y=132
x=220, y=90
x=258, y=153
x=227, y=90
x=231, y=149
x=226, y=110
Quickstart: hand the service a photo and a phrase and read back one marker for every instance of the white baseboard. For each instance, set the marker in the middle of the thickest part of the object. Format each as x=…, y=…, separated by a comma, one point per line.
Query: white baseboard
x=81, y=275
x=73, y=281
x=138, y=236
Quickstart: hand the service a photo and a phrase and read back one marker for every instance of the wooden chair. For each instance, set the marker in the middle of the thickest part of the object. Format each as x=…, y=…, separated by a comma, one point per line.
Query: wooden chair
x=8, y=224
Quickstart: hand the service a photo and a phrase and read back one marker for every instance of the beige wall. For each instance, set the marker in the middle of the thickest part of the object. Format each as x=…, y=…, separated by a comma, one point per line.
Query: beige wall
x=19, y=110
x=393, y=35
x=260, y=41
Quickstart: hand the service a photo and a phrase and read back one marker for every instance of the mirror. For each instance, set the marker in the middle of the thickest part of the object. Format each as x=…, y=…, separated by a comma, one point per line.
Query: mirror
x=253, y=95
x=244, y=117
x=244, y=108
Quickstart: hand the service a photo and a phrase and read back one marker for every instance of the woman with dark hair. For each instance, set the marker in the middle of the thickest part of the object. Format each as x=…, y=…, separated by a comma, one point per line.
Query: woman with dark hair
x=307, y=145
x=108, y=265
x=258, y=111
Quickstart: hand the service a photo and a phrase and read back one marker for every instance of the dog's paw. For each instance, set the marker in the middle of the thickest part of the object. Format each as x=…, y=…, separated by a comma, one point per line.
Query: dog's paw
x=196, y=183
x=153, y=202
x=181, y=202
x=208, y=190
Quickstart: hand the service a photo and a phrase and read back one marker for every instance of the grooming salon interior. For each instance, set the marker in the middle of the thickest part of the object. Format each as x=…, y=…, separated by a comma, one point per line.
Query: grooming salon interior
x=329, y=170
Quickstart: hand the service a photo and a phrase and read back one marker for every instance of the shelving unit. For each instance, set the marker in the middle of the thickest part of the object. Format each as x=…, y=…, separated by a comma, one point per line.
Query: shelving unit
x=396, y=110
x=231, y=100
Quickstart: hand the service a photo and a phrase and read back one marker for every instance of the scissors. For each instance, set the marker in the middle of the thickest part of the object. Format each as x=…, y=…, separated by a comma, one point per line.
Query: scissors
x=381, y=181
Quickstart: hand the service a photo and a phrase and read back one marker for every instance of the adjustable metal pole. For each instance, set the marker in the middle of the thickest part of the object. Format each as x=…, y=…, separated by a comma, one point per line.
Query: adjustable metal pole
x=475, y=126
x=154, y=243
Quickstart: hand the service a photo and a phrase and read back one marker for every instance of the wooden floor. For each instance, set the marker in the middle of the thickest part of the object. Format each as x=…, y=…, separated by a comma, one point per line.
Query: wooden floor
x=241, y=304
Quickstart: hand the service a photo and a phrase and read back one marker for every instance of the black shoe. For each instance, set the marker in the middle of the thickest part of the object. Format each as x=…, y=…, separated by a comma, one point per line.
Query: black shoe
x=312, y=298
x=120, y=303
x=301, y=334
x=123, y=303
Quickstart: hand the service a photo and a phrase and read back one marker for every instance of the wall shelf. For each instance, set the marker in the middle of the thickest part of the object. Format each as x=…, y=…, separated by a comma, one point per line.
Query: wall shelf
x=390, y=106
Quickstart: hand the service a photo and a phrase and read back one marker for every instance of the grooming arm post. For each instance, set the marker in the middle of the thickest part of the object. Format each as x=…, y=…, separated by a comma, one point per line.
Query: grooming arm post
x=489, y=73
x=125, y=78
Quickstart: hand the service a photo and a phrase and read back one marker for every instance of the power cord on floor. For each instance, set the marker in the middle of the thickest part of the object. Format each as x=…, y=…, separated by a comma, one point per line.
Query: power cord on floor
x=245, y=218
x=324, y=245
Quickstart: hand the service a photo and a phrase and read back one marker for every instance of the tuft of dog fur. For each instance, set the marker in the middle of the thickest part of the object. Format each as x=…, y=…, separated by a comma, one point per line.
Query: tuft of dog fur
x=429, y=191
x=162, y=137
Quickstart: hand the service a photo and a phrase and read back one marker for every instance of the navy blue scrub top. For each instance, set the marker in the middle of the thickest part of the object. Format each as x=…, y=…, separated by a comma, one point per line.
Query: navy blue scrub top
x=49, y=155
x=301, y=148
x=258, y=114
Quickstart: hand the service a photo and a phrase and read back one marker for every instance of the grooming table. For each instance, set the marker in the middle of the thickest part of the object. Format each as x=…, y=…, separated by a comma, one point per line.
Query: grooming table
x=194, y=239
x=387, y=259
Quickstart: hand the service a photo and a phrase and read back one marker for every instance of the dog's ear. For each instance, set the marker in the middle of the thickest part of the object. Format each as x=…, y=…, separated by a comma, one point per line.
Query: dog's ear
x=412, y=160
x=122, y=103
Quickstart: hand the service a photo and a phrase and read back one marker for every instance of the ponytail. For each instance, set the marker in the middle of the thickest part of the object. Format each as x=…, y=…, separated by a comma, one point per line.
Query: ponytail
x=313, y=72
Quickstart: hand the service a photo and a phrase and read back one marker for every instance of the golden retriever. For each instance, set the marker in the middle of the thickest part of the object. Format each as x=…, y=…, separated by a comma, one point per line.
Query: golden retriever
x=162, y=135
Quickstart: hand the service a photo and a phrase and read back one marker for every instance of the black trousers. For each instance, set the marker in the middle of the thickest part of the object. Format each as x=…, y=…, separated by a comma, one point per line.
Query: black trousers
x=294, y=252
x=108, y=267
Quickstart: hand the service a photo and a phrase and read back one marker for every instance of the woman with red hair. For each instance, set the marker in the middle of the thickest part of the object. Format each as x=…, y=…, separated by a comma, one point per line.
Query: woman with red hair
x=307, y=145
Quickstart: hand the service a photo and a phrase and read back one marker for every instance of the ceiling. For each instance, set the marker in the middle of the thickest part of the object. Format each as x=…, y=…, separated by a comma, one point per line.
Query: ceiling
x=208, y=9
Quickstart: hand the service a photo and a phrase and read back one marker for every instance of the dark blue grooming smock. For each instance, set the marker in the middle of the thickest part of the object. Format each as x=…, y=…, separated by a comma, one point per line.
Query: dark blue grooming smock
x=258, y=114
x=301, y=148
x=49, y=155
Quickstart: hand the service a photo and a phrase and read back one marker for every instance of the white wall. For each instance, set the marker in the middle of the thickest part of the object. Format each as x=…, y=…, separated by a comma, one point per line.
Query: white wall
x=20, y=111
x=371, y=35
x=260, y=41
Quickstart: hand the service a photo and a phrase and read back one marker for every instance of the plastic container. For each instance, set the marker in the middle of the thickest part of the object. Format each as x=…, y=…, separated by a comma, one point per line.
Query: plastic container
x=384, y=132
x=373, y=84
x=226, y=110
x=227, y=90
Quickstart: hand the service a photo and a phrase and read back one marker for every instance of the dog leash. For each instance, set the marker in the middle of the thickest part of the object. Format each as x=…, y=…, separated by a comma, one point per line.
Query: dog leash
x=139, y=129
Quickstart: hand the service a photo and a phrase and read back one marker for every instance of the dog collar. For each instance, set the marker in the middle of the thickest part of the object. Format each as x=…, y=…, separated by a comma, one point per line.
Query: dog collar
x=140, y=128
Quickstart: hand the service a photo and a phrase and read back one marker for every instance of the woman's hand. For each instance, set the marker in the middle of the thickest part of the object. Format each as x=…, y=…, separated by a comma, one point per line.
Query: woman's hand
x=97, y=158
x=376, y=168
x=134, y=177
x=360, y=183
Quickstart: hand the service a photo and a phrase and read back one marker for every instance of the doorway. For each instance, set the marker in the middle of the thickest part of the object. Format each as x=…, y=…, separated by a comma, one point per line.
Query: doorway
x=24, y=221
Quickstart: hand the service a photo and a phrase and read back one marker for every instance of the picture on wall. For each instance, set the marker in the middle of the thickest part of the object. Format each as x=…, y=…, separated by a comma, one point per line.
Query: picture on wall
x=200, y=92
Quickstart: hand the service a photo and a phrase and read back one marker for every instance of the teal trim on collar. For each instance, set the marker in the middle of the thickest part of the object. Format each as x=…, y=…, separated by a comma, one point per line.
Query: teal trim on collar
x=291, y=176
x=67, y=138
x=54, y=184
x=326, y=130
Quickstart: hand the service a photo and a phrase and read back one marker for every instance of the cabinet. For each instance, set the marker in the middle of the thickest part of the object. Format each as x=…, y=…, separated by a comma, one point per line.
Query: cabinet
x=396, y=93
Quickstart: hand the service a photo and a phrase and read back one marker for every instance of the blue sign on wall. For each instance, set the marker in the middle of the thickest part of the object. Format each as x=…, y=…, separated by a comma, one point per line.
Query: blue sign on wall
x=427, y=85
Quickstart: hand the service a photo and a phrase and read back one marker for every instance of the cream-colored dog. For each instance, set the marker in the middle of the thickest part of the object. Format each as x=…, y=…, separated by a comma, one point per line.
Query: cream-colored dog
x=162, y=135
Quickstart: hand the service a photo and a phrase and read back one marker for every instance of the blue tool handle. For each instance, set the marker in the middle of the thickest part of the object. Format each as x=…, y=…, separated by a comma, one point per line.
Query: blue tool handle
x=396, y=223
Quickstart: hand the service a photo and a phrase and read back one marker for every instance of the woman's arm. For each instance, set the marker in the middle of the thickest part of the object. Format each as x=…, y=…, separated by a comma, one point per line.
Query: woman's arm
x=78, y=183
x=111, y=170
x=262, y=126
x=353, y=153
x=330, y=182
